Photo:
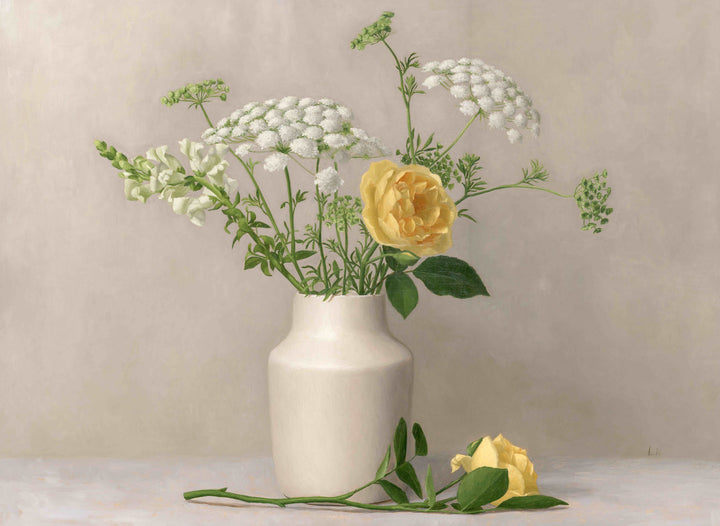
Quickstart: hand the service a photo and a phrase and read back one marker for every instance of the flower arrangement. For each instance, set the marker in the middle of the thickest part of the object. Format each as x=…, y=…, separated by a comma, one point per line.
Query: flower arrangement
x=398, y=229
x=497, y=473
x=404, y=219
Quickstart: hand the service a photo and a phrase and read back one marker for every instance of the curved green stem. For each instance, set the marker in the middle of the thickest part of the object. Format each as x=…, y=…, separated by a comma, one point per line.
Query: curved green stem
x=446, y=150
x=516, y=185
x=301, y=165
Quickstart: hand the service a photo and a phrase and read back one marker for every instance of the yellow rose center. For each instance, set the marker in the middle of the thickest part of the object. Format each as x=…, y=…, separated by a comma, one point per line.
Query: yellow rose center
x=418, y=208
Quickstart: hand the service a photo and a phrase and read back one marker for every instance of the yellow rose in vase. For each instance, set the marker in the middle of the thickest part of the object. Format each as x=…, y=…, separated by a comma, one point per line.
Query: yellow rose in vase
x=407, y=208
x=501, y=453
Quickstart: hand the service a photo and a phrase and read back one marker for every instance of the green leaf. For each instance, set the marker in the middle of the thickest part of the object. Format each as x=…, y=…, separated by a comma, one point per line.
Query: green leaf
x=399, y=259
x=400, y=442
x=472, y=447
x=383, y=468
x=252, y=262
x=265, y=267
x=402, y=293
x=448, y=276
x=394, y=492
x=421, y=447
x=482, y=486
x=430, y=487
x=406, y=473
x=299, y=254
x=238, y=236
x=531, y=502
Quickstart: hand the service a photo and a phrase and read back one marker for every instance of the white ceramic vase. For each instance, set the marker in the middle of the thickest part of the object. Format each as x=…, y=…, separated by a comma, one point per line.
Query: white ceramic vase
x=339, y=382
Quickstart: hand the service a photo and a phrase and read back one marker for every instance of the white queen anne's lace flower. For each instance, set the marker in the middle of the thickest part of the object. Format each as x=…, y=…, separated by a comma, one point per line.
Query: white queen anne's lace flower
x=328, y=181
x=309, y=128
x=485, y=89
x=432, y=81
x=267, y=139
x=469, y=107
x=304, y=147
x=276, y=162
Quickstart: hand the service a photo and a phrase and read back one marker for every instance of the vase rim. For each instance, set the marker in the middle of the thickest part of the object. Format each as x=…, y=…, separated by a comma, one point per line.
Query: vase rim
x=344, y=296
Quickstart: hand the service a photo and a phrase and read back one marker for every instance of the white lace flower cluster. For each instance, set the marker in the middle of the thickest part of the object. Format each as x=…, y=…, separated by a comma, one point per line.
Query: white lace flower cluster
x=166, y=175
x=306, y=127
x=480, y=86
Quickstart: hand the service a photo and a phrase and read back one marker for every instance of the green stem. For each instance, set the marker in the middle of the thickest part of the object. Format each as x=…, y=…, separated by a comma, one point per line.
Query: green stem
x=321, y=247
x=516, y=185
x=364, y=262
x=456, y=139
x=265, y=207
x=347, y=244
x=281, y=268
x=406, y=100
x=301, y=165
x=380, y=276
x=206, y=115
x=447, y=487
x=291, y=214
x=189, y=495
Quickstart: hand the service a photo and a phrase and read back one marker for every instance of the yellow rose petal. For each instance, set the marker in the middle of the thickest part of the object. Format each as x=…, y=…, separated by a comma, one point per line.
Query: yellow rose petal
x=460, y=461
x=485, y=455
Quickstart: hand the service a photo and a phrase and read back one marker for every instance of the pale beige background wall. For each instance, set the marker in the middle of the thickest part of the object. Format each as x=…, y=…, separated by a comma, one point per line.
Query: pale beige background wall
x=126, y=330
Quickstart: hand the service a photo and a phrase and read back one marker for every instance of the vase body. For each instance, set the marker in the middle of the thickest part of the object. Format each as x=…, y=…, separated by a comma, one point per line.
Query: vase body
x=338, y=384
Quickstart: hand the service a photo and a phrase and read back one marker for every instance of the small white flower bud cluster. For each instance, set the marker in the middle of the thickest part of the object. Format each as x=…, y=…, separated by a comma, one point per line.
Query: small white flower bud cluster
x=305, y=127
x=481, y=87
x=166, y=176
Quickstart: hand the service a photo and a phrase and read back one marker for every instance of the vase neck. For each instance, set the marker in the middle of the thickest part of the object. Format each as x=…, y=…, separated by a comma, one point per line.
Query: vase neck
x=339, y=314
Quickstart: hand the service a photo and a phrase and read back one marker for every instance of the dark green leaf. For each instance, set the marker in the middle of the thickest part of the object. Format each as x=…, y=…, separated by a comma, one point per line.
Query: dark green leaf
x=430, y=487
x=406, y=473
x=448, y=276
x=383, y=468
x=482, y=486
x=394, y=492
x=400, y=442
x=421, y=447
x=531, y=502
x=402, y=293
x=472, y=446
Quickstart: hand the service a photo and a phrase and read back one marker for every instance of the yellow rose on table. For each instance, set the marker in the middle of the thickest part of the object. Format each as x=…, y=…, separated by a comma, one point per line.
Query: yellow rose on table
x=500, y=453
x=407, y=208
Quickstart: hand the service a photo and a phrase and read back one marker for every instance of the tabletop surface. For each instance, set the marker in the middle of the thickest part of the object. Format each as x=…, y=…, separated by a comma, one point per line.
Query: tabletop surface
x=37, y=492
